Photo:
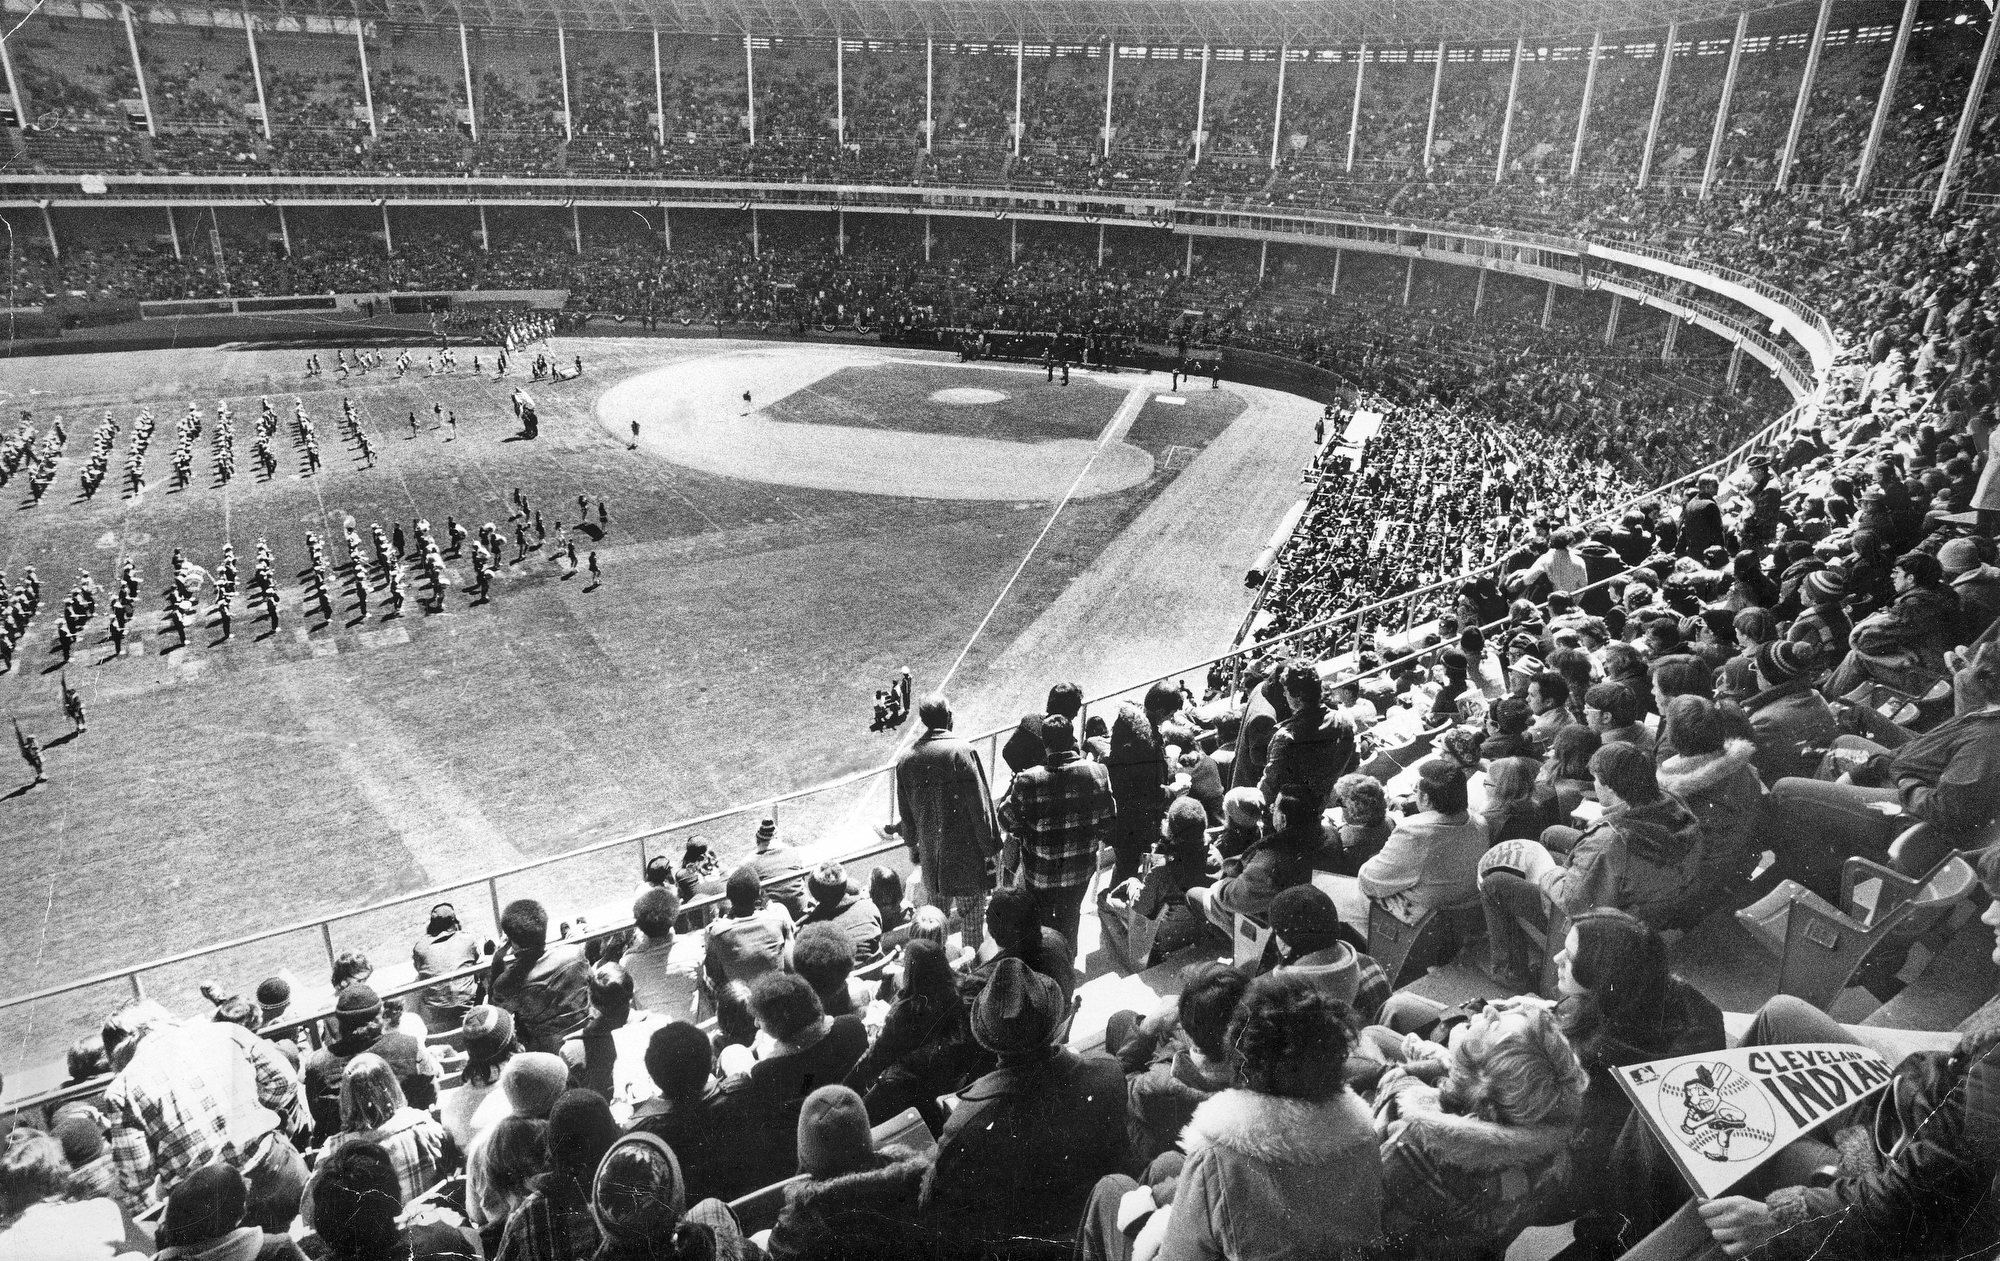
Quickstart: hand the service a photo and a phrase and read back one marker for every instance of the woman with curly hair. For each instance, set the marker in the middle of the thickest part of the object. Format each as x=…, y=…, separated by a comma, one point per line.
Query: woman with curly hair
x=1283, y=1164
x=1364, y=823
x=1468, y=1162
x=1564, y=780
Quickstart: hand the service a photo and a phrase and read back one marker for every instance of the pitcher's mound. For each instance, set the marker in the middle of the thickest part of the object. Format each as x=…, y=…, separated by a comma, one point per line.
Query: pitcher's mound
x=966, y=396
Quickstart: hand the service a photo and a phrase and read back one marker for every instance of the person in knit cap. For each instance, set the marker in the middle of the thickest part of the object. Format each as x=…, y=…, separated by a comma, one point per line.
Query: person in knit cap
x=1243, y=813
x=477, y=1103
x=1026, y=1143
x=780, y=870
x=204, y=1222
x=1311, y=941
x=80, y=1130
x=1822, y=624
x=358, y=1013
x=555, y=1223
x=837, y=901
x=857, y=1203
x=640, y=1205
x=531, y=1082
x=1790, y=723
x=1977, y=584
x=359, y=1214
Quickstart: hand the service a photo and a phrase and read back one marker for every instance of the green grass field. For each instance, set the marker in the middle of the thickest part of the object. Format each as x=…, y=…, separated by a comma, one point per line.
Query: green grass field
x=730, y=653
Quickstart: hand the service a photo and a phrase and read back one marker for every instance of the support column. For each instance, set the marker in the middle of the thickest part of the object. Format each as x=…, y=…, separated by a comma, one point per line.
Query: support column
x=256, y=75
x=1884, y=100
x=1805, y=95
x=659, y=90
x=1735, y=365
x=929, y=127
x=562, y=65
x=1660, y=102
x=1673, y=335
x=49, y=226
x=667, y=228
x=1431, y=123
x=1549, y=305
x=13, y=84
x=1354, y=118
x=173, y=231
x=576, y=227
x=284, y=232
x=1263, y=259
x=1013, y=241
x=1479, y=292
x=840, y=231
x=749, y=90
x=1100, y=245
x=1333, y=286
x=485, y=238
x=1721, y=127
x=1967, y=117
x=139, y=73
x=1020, y=73
x=1200, y=107
x=1110, y=66
x=1278, y=111
x=1187, y=267
x=1409, y=278
x=1507, y=120
x=367, y=89
x=1583, y=108
x=756, y=243
x=465, y=60
x=839, y=90
x=388, y=238
x=927, y=238
x=1611, y=324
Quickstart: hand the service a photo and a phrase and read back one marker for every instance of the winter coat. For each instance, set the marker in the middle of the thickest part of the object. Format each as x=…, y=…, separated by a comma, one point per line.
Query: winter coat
x=1645, y=859
x=1253, y=740
x=1138, y=770
x=923, y=1041
x=1314, y=747
x=1722, y=791
x=1978, y=601
x=1949, y=776
x=1161, y=1096
x=1922, y=620
x=1792, y=728
x=548, y=995
x=1270, y=867
x=1826, y=628
x=854, y=1217
x=1459, y=1186
x=1431, y=859
x=1024, y=1148
x=947, y=810
x=1274, y=1179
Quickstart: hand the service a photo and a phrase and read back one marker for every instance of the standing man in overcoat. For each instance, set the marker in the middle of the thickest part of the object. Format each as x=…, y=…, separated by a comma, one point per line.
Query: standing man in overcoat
x=948, y=820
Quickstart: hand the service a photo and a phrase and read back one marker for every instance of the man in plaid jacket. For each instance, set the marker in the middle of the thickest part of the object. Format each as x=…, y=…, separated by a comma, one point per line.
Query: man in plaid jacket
x=1059, y=814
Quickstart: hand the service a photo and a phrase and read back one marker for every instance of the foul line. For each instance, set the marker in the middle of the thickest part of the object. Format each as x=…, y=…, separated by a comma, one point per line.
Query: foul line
x=1120, y=424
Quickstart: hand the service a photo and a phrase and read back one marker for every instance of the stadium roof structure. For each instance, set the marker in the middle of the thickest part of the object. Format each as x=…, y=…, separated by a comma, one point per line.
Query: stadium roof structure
x=1227, y=23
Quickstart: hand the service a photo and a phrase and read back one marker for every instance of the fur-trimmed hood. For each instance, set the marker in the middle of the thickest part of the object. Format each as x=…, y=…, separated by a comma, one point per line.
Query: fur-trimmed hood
x=891, y=1186
x=1280, y=1131
x=1469, y=1143
x=1693, y=774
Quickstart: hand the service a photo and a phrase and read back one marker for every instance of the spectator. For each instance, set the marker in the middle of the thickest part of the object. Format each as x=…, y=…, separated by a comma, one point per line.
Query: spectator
x=640, y=1206
x=948, y=820
x=519, y=1154
x=1281, y=1164
x=1177, y=1056
x=1512, y=810
x=166, y=1118
x=885, y=890
x=445, y=948
x=1276, y=863
x=753, y=939
x=531, y=1083
x=592, y=1051
x=373, y=1110
x=359, y=1016
x=1713, y=776
x=1013, y=917
x=1468, y=1163
x=554, y=1223
x=1620, y=1005
x=837, y=903
x=1431, y=860
x=79, y=1127
x=1059, y=814
x=1024, y=746
x=1904, y=645
x=1822, y=625
x=1563, y=782
x=1548, y=700
x=779, y=870
x=681, y=1063
x=1267, y=707
x=1507, y=722
x=41, y=1223
x=857, y=1201
x=823, y=956
x=1560, y=565
x=1613, y=712
x=1312, y=747
x=1137, y=769
x=1026, y=1143
x=925, y=1048
x=1309, y=940
x=811, y=1048
x=274, y=996
x=355, y=1195
x=204, y=1222
x=658, y=986
x=1977, y=585
x=1364, y=823
x=351, y=967
x=546, y=987
x=1163, y=895
x=477, y=1103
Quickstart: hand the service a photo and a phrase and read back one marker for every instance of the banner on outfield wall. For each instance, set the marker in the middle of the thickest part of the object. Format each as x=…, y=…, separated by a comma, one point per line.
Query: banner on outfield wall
x=1723, y=1114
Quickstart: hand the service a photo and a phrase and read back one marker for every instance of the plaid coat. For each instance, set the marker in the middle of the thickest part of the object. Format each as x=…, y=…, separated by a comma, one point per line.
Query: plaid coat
x=1060, y=814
